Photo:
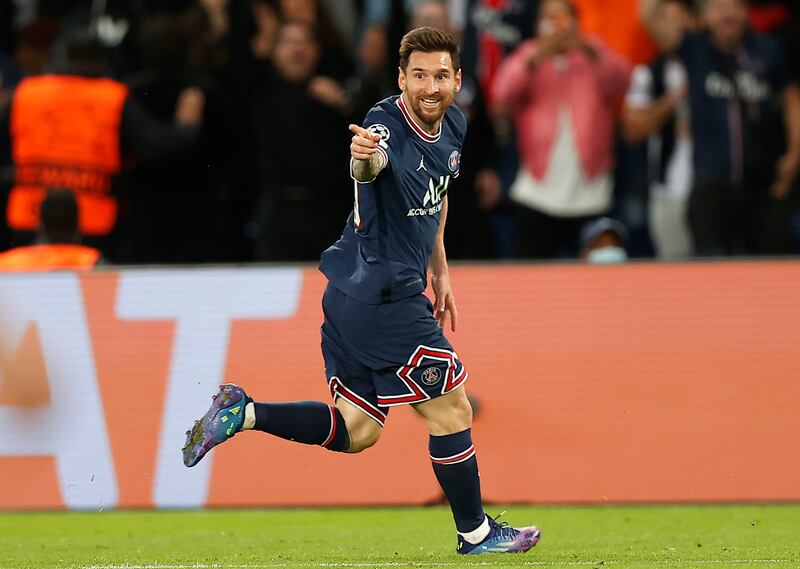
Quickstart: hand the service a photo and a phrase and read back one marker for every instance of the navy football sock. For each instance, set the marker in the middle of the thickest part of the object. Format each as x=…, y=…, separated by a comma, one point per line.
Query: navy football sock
x=308, y=422
x=456, y=469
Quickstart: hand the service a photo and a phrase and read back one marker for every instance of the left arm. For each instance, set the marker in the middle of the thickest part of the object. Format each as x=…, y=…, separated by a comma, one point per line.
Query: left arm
x=789, y=164
x=444, y=302
x=150, y=139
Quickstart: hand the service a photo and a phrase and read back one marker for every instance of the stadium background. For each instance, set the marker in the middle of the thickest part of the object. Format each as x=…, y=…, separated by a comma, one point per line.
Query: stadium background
x=643, y=415
x=597, y=389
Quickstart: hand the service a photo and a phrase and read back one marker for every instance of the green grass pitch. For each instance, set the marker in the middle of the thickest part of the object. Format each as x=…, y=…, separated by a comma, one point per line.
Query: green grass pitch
x=592, y=537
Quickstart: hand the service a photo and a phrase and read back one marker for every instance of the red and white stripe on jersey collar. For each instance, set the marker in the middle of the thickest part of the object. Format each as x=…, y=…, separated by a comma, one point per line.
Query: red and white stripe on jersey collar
x=456, y=458
x=415, y=393
x=338, y=389
x=414, y=126
x=332, y=432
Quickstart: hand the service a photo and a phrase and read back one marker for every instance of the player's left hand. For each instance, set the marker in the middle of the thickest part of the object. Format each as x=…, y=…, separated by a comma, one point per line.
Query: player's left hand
x=444, y=302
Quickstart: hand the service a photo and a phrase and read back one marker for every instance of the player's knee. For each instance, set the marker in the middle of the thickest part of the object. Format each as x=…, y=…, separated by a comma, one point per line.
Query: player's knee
x=362, y=430
x=462, y=412
x=361, y=438
x=451, y=413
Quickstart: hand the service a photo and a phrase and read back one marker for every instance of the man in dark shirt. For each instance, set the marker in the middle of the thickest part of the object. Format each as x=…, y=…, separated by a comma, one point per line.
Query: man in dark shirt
x=738, y=84
x=382, y=339
x=300, y=202
x=137, y=134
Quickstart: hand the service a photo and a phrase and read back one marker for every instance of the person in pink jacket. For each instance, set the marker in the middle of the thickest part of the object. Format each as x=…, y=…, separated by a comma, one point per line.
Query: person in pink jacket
x=563, y=92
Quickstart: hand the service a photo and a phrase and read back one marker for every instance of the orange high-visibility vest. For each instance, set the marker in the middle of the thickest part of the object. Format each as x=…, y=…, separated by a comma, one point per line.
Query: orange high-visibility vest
x=65, y=134
x=49, y=258
x=617, y=23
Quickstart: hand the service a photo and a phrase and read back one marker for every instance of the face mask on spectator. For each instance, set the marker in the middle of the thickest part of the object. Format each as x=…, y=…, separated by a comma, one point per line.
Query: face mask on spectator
x=609, y=255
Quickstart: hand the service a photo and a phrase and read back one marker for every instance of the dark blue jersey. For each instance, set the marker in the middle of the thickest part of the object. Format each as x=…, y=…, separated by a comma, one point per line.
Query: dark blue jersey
x=731, y=97
x=383, y=253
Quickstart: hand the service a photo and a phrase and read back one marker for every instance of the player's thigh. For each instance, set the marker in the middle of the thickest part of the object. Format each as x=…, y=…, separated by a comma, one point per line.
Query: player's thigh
x=447, y=414
x=349, y=380
x=363, y=431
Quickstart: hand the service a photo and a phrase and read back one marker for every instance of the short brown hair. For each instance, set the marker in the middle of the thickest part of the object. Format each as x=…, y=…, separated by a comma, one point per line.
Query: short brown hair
x=428, y=40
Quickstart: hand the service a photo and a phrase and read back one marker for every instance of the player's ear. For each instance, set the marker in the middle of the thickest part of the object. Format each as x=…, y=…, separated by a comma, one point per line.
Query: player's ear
x=458, y=80
x=401, y=78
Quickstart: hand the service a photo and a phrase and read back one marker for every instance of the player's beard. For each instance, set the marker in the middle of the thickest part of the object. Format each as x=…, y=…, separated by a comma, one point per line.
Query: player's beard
x=430, y=117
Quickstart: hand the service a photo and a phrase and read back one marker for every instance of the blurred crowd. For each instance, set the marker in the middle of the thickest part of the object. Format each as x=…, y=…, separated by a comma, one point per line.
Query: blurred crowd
x=194, y=131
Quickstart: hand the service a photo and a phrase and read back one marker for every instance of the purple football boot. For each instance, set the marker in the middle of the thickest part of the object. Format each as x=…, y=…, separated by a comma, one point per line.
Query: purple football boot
x=502, y=538
x=222, y=420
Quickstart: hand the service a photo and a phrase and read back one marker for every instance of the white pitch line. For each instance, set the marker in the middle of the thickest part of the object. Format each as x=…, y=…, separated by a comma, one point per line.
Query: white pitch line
x=379, y=565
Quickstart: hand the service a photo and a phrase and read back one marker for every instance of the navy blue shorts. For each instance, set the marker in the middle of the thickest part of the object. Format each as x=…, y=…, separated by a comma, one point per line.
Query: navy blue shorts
x=380, y=355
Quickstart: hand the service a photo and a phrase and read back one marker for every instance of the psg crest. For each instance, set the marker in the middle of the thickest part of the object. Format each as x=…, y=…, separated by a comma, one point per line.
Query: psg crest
x=452, y=162
x=430, y=376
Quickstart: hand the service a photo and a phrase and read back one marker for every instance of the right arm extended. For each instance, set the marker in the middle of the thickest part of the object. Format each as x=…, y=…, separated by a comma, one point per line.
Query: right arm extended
x=368, y=160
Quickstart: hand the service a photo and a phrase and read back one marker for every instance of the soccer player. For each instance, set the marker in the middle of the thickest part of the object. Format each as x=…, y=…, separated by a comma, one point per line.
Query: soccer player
x=382, y=339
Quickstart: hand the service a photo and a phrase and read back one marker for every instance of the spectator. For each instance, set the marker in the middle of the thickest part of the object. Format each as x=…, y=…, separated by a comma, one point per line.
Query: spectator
x=563, y=92
x=602, y=242
x=73, y=130
x=488, y=29
x=266, y=20
x=431, y=14
x=205, y=28
x=301, y=125
x=334, y=59
x=58, y=241
x=251, y=38
x=656, y=109
x=192, y=183
x=392, y=16
x=31, y=56
x=33, y=52
x=738, y=82
x=492, y=30
x=376, y=79
x=345, y=18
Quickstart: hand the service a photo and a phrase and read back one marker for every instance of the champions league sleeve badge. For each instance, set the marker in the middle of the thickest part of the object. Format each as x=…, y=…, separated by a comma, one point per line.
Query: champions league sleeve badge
x=381, y=130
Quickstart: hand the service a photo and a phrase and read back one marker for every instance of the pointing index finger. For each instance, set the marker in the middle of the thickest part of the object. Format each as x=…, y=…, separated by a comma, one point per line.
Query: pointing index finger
x=355, y=129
